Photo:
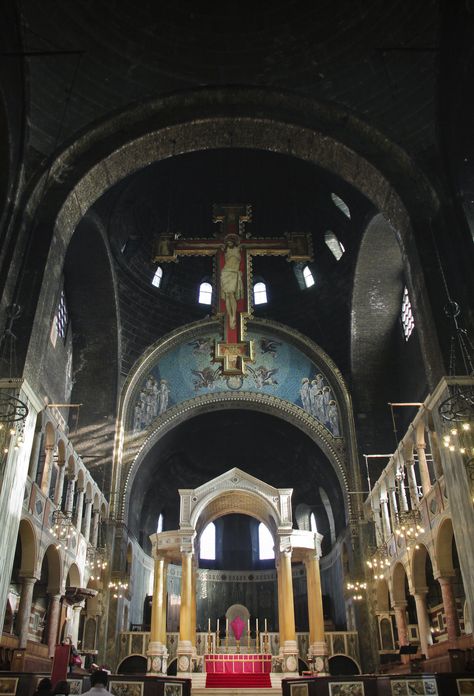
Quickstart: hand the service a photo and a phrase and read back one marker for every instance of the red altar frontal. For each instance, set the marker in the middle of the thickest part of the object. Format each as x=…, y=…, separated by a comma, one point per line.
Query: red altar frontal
x=238, y=664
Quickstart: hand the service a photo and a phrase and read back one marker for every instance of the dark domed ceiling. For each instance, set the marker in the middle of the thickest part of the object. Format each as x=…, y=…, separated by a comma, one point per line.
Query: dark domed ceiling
x=286, y=194
x=207, y=446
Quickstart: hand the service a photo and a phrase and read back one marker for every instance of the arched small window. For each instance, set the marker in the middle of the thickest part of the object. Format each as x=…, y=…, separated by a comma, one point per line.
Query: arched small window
x=205, y=293
x=308, y=277
x=159, y=526
x=333, y=243
x=339, y=203
x=265, y=543
x=312, y=523
x=207, y=549
x=259, y=293
x=408, y=321
x=157, y=278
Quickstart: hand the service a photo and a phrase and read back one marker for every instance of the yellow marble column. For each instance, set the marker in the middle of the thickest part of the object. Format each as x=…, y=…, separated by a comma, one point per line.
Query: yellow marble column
x=164, y=605
x=156, y=652
x=193, y=603
x=317, y=645
x=315, y=599
x=185, y=631
x=287, y=596
x=281, y=622
x=157, y=603
x=288, y=646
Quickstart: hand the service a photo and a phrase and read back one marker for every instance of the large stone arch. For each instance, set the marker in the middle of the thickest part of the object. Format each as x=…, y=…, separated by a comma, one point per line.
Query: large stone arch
x=131, y=450
x=444, y=547
x=207, y=119
x=29, y=548
x=399, y=577
x=418, y=568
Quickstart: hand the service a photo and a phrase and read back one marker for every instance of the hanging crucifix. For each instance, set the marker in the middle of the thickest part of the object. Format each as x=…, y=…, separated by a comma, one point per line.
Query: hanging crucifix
x=233, y=249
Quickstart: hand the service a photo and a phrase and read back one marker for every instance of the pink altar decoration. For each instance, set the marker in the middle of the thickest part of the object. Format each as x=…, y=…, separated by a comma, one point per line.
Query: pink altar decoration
x=238, y=664
x=237, y=626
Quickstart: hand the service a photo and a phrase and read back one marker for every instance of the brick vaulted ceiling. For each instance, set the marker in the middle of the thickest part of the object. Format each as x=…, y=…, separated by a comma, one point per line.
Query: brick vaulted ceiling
x=377, y=59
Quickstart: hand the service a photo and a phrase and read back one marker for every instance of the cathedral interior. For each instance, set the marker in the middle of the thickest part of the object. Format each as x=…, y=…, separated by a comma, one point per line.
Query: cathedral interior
x=346, y=432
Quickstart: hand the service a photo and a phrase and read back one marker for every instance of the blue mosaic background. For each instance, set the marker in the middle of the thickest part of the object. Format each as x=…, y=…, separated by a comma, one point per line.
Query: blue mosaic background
x=279, y=369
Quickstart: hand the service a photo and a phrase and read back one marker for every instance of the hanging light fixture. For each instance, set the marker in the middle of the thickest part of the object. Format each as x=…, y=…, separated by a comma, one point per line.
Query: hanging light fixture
x=356, y=589
x=379, y=562
x=12, y=409
x=62, y=528
x=409, y=527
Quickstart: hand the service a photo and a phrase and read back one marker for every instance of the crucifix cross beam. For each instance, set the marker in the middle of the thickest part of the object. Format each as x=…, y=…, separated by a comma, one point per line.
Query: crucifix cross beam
x=233, y=249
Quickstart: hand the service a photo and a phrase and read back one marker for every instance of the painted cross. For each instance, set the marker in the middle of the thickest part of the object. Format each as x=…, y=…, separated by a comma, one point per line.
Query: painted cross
x=233, y=249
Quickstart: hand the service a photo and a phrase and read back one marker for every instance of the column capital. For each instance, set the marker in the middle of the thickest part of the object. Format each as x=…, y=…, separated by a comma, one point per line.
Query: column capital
x=420, y=445
x=446, y=578
x=29, y=579
x=420, y=592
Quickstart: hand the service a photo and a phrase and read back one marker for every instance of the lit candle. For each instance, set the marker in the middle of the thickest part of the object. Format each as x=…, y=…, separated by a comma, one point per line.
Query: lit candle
x=256, y=625
x=217, y=627
x=248, y=625
x=265, y=625
x=209, y=625
x=227, y=626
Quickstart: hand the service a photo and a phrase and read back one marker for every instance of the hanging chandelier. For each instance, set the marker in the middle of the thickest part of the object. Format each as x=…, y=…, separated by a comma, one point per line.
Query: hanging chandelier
x=62, y=528
x=356, y=589
x=12, y=409
x=410, y=527
x=96, y=561
x=379, y=562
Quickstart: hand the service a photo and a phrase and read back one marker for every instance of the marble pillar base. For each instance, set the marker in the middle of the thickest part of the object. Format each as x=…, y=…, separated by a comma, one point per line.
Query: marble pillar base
x=318, y=657
x=185, y=653
x=289, y=655
x=157, y=658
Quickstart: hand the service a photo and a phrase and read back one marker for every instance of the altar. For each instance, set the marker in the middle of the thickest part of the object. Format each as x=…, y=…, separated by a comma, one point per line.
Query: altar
x=254, y=663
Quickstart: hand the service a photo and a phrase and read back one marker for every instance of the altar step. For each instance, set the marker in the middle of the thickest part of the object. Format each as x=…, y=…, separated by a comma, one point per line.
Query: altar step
x=199, y=687
x=227, y=680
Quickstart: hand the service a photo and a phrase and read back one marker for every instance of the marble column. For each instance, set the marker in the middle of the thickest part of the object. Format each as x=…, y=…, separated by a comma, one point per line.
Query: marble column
x=424, y=631
x=423, y=467
x=393, y=507
x=76, y=619
x=53, y=621
x=402, y=492
x=377, y=521
x=193, y=604
x=71, y=484
x=290, y=649
x=185, y=645
x=317, y=644
x=387, y=531
x=79, y=509
x=86, y=524
x=281, y=626
x=24, y=610
x=47, y=469
x=449, y=603
x=164, y=636
x=400, y=609
x=95, y=527
x=34, y=457
x=412, y=484
x=156, y=653
x=434, y=447
x=58, y=493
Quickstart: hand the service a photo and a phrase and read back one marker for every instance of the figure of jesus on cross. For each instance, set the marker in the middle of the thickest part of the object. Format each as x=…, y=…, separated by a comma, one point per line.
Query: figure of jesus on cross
x=233, y=249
